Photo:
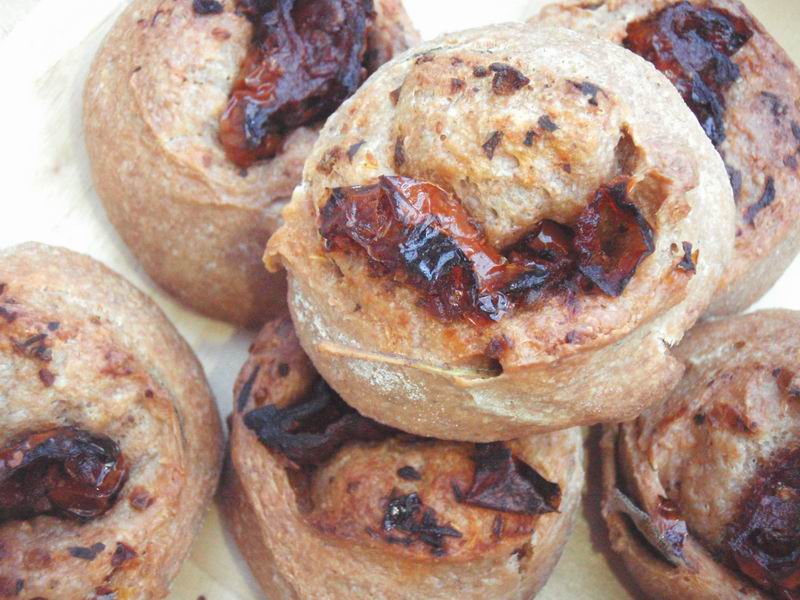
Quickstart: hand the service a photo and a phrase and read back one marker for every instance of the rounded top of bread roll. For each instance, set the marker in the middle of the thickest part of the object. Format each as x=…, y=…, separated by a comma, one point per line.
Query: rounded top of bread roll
x=179, y=162
x=710, y=476
x=110, y=442
x=490, y=205
x=742, y=87
x=378, y=510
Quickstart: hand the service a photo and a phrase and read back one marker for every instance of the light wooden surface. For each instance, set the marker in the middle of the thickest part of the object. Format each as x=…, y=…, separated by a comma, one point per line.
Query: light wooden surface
x=45, y=50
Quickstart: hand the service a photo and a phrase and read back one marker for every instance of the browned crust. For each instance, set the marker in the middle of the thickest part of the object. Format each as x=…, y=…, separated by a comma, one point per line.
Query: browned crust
x=758, y=141
x=152, y=100
x=631, y=455
x=119, y=368
x=373, y=342
x=292, y=558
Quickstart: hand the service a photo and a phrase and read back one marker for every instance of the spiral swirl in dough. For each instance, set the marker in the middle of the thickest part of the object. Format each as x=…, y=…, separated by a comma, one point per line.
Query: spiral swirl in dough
x=519, y=125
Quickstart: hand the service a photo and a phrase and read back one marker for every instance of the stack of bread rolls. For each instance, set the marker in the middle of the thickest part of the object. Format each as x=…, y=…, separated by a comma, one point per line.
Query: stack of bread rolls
x=459, y=253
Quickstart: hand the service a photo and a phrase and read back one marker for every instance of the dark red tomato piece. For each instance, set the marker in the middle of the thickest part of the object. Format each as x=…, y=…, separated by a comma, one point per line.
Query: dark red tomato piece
x=506, y=484
x=313, y=430
x=306, y=58
x=764, y=541
x=612, y=239
x=65, y=472
x=421, y=235
x=692, y=46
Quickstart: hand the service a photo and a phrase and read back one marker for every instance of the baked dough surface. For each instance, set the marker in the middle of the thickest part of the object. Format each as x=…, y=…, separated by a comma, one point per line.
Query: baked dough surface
x=732, y=414
x=569, y=360
x=321, y=535
x=196, y=222
x=762, y=121
x=118, y=368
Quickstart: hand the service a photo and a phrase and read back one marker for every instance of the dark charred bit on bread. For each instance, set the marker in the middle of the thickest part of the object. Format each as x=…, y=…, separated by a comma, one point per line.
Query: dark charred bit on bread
x=140, y=499
x=689, y=262
x=353, y=149
x=546, y=123
x=122, y=554
x=46, y=377
x=406, y=521
x=491, y=144
x=207, y=7
x=457, y=85
x=409, y=473
x=35, y=347
x=767, y=198
x=399, y=152
x=498, y=346
x=507, y=80
x=86, y=553
x=588, y=89
x=777, y=107
x=735, y=177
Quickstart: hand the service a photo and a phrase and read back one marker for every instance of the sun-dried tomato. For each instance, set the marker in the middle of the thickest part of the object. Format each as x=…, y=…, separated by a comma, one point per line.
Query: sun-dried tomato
x=506, y=484
x=764, y=541
x=313, y=430
x=306, y=58
x=418, y=234
x=692, y=46
x=65, y=472
x=421, y=235
x=547, y=256
x=612, y=238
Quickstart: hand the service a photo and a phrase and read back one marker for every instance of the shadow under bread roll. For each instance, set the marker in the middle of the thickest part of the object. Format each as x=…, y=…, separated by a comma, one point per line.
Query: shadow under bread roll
x=198, y=117
x=743, y=88
x=325, y=503
x=110, y=442
x=702, y=492
x=531, y=220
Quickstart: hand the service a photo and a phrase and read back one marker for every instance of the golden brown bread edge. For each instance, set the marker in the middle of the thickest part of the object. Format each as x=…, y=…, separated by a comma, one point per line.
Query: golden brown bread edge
x=754, y=344
x=119, y=369
x=196, y=222
x=293, y=557
x=604, y=360
x=760, y=115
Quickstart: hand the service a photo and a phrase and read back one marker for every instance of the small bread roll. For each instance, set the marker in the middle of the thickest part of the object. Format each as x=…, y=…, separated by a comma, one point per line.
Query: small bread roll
x=530, y=221
x=746, y=101
x=110, y=442
x=327, y=504
x=702, y=492
x=155, y=98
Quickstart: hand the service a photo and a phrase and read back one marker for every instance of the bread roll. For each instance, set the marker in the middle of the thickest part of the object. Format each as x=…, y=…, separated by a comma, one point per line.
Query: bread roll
x=702, y=493
x=326, y=504
x=746, y=100
x=532, y=219
x=110, y=442
x=156, y=99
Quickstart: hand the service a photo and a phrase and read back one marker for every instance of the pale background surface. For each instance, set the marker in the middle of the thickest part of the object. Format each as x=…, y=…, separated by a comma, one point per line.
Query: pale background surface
x=45, y=50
